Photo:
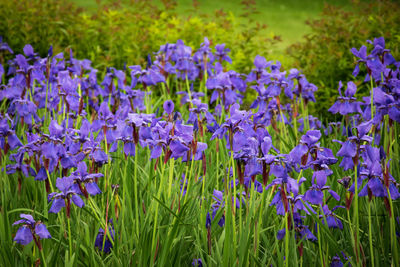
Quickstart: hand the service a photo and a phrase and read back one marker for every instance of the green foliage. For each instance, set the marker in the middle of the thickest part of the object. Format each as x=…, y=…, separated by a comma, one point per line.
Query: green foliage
x=325, y=56
x=39, y=23
x=119, y=33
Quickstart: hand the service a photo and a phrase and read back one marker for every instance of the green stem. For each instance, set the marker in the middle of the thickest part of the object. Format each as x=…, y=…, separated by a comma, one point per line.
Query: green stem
x=370, y=234
x=188, y=180
x=287, y=240
x=153, y=243
x=355, y=214
x=43, y=258
x=136, y=191
x=171, y=174
x=234, y=198
x=393, y=237
x=70, y=237
x=372, y=98
x=188, y=88
x=105, y=167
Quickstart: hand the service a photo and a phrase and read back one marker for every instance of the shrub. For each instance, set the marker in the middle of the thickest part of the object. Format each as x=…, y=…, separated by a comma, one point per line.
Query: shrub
x=324, y=55
x=119, y=33
x=37, y=22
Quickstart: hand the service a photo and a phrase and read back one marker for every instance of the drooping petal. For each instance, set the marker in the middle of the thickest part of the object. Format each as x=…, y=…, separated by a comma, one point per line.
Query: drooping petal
x=14, y=141
x=23, y=235
x=156, y=152
x=334, y=195
x=92, y=188
x=348, y=149
x=178, y=149
x=77, y=201
x=58, y=204
x=42, y=231
x=376, y=187
x=394, y=191
x=129, y=149
x=281, y=234
x=307, y=234
x=347, y=163
x=314, y=196
x=41, y=175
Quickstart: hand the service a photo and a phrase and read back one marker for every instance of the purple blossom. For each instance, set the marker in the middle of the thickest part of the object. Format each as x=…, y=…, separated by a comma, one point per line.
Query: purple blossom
x=30, y=230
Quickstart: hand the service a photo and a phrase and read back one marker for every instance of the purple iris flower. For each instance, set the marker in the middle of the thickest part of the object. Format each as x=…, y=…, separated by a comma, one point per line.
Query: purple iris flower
x=197, y=115
x=147, y=77
x=204, y=58
x=376, y=62
x=8, y=139
x=83, y=132
x=352, y=147
x=362, y=58
x=371, y=170
x=218, y=204
x=4, y=46
x=84, y=181
x=225, y=86
x=168, y=107
x=287, y=185
x=107, y=243
x=232, y=124
x=131, y=131
x=68, y=192
x=304, y=88
x=25, y=109
x=315, y=194
x=19, y=165
x=197, y=263
x=221, y=53
x=302, y=231
x=330, y=217
x=30, y=230
x=346, y=104
x=385, y=103
x=307, y=150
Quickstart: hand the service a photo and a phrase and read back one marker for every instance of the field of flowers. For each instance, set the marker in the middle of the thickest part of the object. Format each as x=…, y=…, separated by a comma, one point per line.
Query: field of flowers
x=161, y=165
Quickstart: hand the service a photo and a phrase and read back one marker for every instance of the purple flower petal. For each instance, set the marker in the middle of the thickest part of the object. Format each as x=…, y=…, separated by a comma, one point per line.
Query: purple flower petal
x=320, y=178
x=58, y=204
x=92, y=188
x=348, y=149
x=168, y=106
x=23, y=235
x=334, y=195
x=77, y=201
x=314, y=196
x=42, y=231
x=281, y=234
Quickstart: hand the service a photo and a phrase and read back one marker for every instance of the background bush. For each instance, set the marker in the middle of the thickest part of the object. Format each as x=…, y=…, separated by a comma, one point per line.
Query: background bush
x=37, y=22
x=125, y=32
x=325, y=56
